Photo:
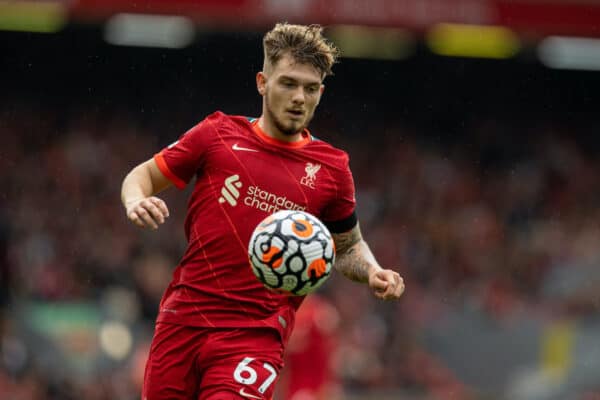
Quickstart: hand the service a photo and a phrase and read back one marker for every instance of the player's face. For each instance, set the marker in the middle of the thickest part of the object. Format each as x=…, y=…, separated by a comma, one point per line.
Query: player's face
x=291, y=93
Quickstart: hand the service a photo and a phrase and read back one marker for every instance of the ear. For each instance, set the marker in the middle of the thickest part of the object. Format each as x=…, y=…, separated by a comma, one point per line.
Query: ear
x=322, y=89
x=261, y=83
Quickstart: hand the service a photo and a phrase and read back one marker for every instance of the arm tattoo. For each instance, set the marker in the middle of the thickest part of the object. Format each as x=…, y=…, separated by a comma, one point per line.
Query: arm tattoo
x=353, y=257
x=345, y=241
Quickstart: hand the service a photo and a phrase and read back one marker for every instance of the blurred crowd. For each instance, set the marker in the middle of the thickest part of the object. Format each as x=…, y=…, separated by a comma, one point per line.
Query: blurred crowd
x=505, y=223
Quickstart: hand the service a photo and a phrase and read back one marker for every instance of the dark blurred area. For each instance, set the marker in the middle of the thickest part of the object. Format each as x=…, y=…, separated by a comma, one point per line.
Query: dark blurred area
x=476, y=178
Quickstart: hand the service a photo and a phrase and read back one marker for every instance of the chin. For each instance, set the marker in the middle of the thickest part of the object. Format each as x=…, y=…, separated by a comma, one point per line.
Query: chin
x=291, y=129
x=296, y=129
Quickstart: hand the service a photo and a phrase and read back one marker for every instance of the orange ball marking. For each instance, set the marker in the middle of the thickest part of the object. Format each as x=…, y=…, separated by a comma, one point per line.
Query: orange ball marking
x=268, y=256
x=302, y=228
x=317, y=268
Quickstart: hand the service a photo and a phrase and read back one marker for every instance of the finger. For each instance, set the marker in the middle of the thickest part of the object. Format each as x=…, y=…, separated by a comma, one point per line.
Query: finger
x=393, y=293
x=133, y=217
x=162, y=206
x=146, y=218
x=381, y=294
x=395, y=287
x=154, y=212
x=390, y=293
x=398, y=290
x=379, y=284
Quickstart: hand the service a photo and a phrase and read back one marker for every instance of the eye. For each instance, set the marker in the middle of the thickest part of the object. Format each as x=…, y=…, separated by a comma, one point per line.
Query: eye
x=312, y=89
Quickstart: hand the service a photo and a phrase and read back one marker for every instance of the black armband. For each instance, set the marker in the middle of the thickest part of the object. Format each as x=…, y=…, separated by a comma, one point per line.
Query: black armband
x=342, y=225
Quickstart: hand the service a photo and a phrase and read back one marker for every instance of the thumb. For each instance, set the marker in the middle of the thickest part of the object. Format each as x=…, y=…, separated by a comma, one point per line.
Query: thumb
x=377, y=283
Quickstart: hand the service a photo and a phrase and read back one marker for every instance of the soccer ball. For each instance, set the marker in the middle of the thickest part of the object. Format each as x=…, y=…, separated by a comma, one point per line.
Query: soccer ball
x=292, y=252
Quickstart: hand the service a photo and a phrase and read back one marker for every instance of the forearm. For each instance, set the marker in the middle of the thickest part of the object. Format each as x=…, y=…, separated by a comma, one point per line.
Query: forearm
x=137, y=185
x=357, y=262
x=143, y=181
x=353, y=257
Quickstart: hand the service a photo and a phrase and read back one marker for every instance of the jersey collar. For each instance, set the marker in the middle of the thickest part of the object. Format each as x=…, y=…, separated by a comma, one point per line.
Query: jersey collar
x=306, y=137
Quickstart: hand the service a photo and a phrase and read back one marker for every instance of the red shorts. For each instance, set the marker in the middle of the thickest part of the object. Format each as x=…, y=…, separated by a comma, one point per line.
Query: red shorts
x=194, y=363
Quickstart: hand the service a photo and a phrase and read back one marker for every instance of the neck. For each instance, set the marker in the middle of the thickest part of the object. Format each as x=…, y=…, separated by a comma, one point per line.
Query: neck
x=269, y=128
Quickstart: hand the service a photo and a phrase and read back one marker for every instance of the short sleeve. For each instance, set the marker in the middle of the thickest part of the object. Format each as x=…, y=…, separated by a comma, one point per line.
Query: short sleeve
x=342, y=207
x=180, y=161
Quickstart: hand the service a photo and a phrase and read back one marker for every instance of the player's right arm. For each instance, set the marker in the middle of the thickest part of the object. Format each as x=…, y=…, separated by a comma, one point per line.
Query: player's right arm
x=174, y=165
x=137, y=194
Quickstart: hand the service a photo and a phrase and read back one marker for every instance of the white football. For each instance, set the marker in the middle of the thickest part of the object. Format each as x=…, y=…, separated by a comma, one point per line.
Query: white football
x=291, y=251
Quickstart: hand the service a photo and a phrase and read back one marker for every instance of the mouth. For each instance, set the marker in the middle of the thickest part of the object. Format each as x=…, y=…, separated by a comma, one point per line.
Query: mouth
x=295, y=113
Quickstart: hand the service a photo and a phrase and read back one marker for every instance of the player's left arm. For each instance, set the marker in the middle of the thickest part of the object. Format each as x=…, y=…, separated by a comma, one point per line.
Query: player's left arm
x=355, y=260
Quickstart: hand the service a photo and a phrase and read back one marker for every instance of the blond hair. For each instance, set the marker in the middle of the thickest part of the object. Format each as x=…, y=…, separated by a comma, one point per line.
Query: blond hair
x=305, y=43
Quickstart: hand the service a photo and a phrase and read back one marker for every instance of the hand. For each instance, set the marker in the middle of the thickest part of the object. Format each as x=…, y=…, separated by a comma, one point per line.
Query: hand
x=386, y=284
x=147, y=212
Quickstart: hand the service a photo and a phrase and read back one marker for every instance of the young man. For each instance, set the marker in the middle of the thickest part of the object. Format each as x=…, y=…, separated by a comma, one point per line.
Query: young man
x=220, y=334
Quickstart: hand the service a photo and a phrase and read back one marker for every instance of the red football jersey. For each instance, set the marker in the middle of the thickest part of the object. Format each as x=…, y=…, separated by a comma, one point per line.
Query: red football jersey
x=243, y=175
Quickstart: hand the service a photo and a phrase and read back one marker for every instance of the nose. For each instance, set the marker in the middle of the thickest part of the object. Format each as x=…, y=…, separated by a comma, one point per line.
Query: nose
x=298, y=96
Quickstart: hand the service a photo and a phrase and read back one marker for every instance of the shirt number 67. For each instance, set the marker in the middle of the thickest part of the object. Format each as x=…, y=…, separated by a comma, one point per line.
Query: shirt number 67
x=247, y=375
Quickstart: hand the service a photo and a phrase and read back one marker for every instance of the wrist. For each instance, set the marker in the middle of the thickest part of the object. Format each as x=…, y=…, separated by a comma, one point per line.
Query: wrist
x=373, y=269
x=127, y=203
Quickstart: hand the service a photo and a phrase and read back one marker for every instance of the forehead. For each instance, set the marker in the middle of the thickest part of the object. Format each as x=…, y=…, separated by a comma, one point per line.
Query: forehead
x=287, y=66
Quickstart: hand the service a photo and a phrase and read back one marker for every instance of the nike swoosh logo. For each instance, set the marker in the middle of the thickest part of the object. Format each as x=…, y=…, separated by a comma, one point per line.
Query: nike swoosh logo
x=239, y=148
x=250, y=396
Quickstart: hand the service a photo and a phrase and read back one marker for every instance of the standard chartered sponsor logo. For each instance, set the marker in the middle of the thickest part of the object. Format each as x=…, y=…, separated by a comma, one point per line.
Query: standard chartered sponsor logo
x=269, y=202
x=255, y=197
x=229, y=191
